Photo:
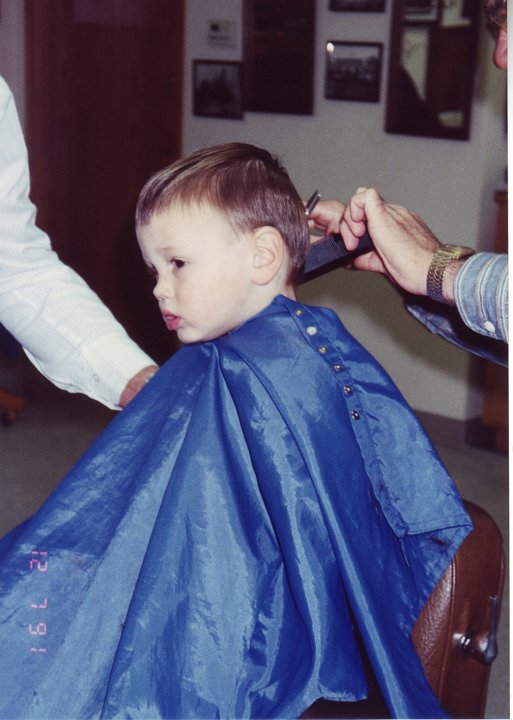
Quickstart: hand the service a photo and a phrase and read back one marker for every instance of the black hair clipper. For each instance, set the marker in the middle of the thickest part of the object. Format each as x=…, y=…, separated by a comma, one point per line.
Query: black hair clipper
x=329, y=252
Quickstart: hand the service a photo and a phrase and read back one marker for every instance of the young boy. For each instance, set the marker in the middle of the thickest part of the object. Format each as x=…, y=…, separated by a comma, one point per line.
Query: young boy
x=268, y=497
x=225, y=233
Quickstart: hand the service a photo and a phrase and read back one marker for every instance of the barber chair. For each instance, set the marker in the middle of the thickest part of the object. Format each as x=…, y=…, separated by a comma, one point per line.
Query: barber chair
x=456, y=633
x=10, y=406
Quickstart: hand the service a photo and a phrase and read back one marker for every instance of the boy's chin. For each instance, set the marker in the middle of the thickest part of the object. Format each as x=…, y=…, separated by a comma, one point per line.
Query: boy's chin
x=188, y=337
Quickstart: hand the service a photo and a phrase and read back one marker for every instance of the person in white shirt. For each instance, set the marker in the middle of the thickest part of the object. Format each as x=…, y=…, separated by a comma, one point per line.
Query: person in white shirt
x=63, y=326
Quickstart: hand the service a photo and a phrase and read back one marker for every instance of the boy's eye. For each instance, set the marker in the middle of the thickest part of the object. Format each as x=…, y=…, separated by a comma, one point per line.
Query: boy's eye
x=178, y=263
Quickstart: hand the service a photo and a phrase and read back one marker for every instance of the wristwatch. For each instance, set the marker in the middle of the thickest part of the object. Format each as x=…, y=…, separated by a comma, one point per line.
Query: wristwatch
x=441, y=259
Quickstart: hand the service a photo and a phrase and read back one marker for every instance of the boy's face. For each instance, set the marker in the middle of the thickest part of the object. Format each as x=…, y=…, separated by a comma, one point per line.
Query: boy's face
x=203, y=271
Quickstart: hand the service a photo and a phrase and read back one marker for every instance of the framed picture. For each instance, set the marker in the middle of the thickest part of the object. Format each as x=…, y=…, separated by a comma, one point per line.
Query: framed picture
x=217, y=89
x=421, y=11
x=353, y=71
x=279, y=40
x=358, y=5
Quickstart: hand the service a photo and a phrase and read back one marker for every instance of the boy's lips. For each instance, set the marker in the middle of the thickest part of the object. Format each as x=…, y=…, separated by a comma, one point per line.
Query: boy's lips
x=172, y=321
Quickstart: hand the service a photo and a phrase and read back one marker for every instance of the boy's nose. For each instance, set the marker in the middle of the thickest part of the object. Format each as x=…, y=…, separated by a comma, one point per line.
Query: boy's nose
x=162, y=290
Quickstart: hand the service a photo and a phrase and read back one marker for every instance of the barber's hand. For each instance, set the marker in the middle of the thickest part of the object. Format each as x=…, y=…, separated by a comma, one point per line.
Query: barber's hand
x=325, y=218
x=136, y=384
x=404, y=244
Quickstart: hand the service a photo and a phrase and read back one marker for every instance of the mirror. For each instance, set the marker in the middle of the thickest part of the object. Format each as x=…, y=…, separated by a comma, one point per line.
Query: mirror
x=433, y=51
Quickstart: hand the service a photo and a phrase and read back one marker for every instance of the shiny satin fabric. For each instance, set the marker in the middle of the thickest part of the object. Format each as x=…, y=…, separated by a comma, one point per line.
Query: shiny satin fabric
x=209, y=554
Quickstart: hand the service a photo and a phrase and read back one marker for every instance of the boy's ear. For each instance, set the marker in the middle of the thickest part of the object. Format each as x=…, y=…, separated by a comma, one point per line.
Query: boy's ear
x=268, y=254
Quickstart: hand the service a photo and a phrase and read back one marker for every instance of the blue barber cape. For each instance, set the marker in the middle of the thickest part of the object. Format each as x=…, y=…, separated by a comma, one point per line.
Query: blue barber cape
x=211, y=553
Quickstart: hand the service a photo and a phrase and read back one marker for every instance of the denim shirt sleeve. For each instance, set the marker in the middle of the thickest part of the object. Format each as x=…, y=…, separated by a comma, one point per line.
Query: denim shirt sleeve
x=481, y=294
x=445, y=321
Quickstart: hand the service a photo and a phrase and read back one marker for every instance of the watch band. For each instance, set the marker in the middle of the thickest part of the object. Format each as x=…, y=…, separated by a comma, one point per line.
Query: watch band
x=441, y=259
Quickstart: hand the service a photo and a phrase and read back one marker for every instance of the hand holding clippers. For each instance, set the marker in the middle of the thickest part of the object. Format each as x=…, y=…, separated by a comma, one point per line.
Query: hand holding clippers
x=329, y=252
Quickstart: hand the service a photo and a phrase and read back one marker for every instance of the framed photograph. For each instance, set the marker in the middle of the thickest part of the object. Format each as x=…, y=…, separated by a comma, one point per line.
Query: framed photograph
x=279, y=38
x=217, y=89
x=358, y=5
x=421, y=11
x=353, y=71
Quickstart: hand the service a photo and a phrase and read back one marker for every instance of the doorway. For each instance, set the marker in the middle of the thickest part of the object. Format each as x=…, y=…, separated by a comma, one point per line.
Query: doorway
x=104, y=111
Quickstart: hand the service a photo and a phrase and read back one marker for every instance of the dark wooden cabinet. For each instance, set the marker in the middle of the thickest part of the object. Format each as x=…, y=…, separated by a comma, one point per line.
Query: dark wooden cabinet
x=495, y=405
x=104, y=111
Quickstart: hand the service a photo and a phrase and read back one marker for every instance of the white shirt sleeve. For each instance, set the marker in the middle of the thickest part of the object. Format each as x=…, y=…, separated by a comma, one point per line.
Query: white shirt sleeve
x=66, y=331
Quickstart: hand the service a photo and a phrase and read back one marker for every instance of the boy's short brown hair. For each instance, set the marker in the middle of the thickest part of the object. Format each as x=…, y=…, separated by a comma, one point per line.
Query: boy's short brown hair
x=243, y=181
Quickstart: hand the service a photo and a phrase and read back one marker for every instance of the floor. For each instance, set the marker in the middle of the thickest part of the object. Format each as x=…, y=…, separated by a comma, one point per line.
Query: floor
x=55, y=428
